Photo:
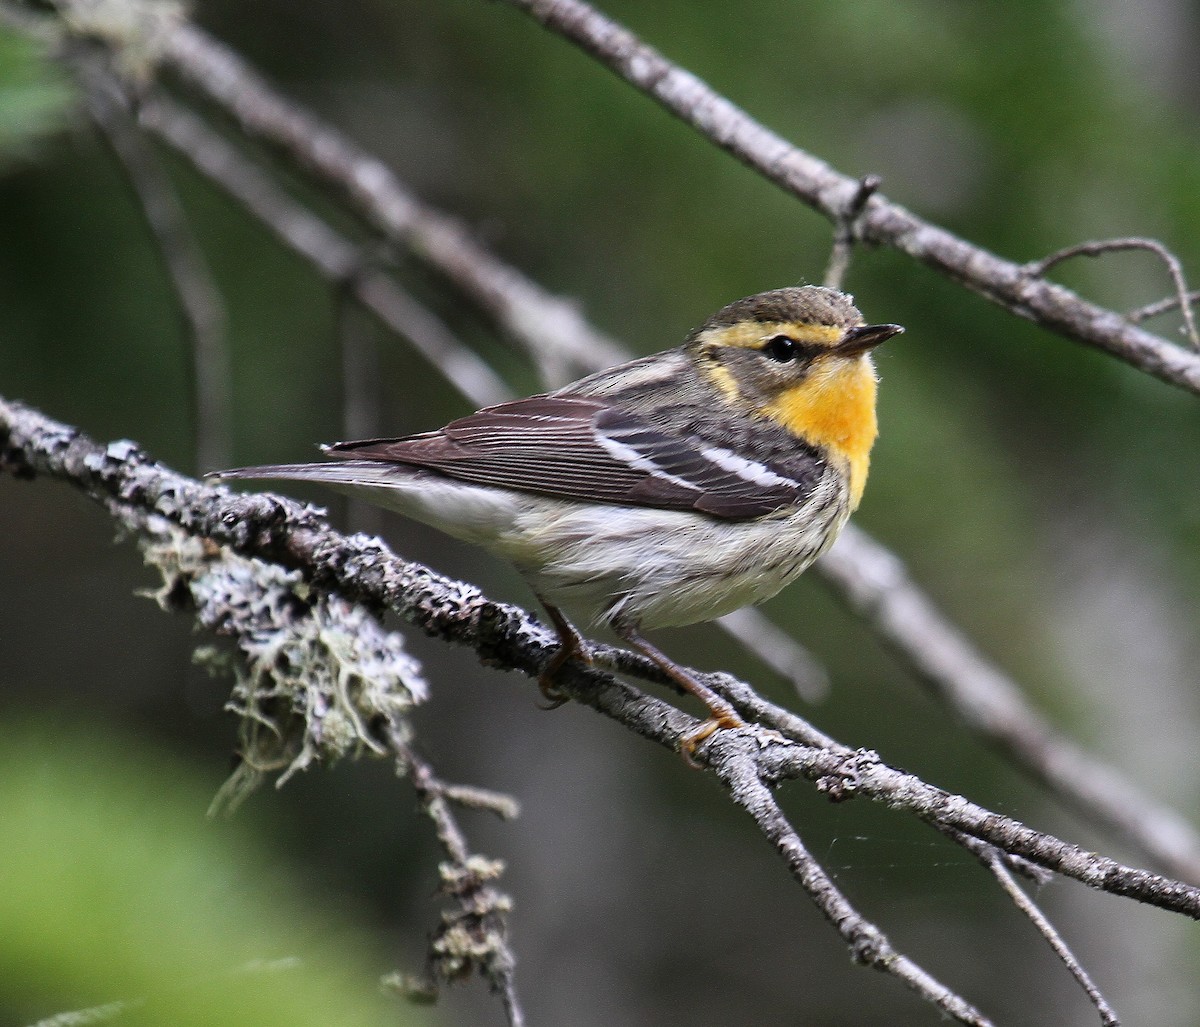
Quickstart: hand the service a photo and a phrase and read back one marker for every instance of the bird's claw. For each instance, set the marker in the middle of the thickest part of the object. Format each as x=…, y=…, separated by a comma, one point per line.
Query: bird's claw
x=694, y=739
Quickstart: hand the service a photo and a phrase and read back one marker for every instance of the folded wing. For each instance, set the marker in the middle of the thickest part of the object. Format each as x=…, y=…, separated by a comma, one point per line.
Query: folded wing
x=585, y=449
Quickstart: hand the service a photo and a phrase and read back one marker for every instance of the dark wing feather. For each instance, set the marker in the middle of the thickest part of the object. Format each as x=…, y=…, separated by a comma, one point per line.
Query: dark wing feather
x=573, y=447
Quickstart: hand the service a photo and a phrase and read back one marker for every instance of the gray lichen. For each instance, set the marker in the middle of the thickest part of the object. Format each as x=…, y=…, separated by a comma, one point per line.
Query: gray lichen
x=316, y=677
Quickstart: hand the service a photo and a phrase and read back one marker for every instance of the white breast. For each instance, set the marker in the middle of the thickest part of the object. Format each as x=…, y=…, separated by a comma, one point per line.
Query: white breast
x=658, y=568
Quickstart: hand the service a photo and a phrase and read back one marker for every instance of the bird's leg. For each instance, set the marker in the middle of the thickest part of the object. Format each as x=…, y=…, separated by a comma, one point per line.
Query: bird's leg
x=723, y=715
x=570, y=645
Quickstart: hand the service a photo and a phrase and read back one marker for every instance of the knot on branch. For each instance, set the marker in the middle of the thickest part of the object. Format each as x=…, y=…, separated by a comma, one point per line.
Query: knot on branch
x=462, y=879
x=870, y=947
x=496, y=625
x=844, y=781
x=13, y=458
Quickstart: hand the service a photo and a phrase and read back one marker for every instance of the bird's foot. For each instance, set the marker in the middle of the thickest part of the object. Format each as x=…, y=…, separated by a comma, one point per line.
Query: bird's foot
x=690, y=742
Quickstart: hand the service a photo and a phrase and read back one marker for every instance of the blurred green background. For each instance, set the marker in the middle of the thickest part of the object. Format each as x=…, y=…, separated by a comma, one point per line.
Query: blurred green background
x=1044, y=494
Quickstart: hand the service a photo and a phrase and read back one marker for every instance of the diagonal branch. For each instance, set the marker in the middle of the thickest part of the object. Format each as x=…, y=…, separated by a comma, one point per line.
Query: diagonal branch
x=363, y=569
x=993, y=859
x=195, y=290
x=830, y=192
x=868, y=945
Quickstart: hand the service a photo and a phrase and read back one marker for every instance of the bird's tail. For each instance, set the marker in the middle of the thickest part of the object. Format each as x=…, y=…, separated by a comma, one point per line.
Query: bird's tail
x=347, y=472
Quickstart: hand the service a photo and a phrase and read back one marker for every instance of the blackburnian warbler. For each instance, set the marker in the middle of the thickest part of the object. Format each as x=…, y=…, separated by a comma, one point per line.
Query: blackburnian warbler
x=666, y=491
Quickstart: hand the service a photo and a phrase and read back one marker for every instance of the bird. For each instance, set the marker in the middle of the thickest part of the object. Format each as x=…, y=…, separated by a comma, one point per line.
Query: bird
x=665, y=491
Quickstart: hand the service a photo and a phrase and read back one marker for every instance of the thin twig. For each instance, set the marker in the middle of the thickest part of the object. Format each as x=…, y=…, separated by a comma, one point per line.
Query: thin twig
x=993, y=859
x=338, y=260
x=845, y=231
x=876, y=585
x=114, y=1010
x=1152, y=310
x=199, y=300
x=868, y=944
x=1097, y=248
x=90, y=1015
x=482, y=910
x=817, y=184
x=474, y=797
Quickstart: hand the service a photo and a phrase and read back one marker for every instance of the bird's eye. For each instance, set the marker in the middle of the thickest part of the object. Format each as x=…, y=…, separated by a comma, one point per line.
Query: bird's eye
x=781, y=349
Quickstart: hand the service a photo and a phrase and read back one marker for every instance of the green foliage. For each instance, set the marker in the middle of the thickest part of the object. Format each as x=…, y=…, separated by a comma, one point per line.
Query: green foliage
x=34, y=95
x=116, y=888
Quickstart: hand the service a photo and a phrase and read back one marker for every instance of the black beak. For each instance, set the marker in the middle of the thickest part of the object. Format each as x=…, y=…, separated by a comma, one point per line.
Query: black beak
x=865, y=337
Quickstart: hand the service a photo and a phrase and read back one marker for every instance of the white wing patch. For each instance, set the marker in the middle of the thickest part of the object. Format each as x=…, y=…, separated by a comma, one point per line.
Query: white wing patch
x=639, y=461
x=748, y=470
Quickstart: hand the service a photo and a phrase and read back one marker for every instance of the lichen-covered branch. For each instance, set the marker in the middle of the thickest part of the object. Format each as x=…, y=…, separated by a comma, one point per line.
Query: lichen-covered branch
x=363, y=569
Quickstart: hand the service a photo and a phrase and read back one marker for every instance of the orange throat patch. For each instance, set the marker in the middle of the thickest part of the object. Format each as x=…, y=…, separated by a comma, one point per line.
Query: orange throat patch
x=834, y=408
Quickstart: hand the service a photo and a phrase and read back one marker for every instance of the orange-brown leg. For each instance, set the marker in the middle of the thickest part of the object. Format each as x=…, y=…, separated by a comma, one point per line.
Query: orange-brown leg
x=723, y=715
x=570, y=646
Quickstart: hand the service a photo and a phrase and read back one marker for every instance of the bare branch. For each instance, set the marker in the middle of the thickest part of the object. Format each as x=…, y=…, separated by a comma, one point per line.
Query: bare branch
x=876, y=585
x=828, y=191
x=199, y=300
x=993, y=859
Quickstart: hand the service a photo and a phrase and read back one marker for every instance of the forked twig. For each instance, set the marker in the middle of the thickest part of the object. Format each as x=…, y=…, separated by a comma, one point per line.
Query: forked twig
x=868, y=945
x=845, y=231
x=1097, y=248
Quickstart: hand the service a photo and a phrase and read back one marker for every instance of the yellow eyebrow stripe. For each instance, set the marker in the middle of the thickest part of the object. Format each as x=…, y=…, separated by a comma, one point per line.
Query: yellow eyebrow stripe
x=752, y=334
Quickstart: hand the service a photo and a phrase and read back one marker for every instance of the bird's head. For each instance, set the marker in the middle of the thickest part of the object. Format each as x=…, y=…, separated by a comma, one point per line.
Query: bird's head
x=799, y=357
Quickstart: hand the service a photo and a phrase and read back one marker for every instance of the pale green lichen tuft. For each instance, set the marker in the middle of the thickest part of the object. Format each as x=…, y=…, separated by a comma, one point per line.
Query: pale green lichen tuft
x=316, y=678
